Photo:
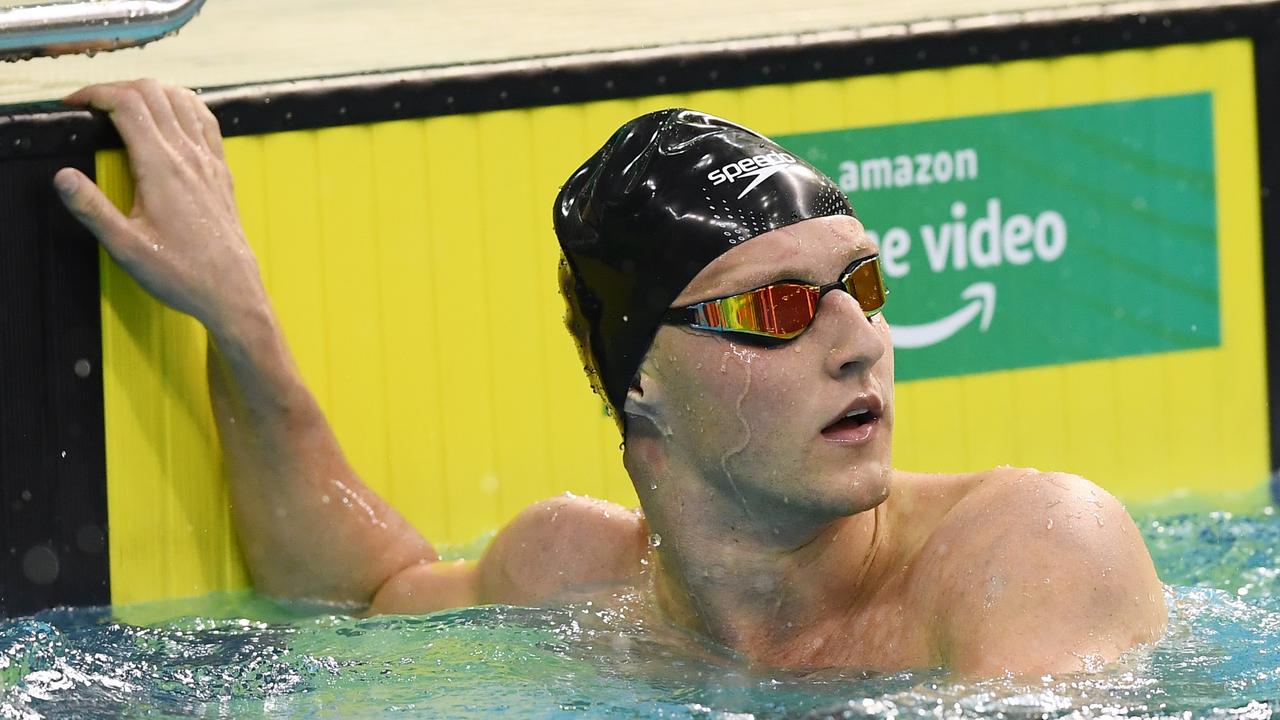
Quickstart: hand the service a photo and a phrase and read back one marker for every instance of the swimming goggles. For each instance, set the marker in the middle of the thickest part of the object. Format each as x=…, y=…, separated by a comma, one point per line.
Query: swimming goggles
x=783, y=310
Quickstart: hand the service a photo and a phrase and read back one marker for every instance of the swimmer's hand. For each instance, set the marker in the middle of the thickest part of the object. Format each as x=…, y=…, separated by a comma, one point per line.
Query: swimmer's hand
x=182, y=241
x=308, y=527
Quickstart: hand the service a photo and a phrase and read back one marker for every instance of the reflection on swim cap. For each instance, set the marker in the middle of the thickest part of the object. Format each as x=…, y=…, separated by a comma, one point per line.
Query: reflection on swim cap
x=667, y=194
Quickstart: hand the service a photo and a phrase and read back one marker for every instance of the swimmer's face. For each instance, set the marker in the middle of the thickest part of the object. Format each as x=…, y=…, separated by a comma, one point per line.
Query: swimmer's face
x=764, y=422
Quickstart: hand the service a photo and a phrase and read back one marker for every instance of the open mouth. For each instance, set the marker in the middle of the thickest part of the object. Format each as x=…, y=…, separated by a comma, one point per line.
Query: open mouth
x=851, y=426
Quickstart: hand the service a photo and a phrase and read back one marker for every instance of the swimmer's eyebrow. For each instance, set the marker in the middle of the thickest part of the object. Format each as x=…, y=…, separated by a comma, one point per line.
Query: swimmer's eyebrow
x=784, y=272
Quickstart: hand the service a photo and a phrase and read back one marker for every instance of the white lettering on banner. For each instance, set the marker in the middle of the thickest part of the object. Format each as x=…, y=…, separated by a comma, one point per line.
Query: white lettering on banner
x=992, y=237
x=985, y=242
x=907, y=170
x=892, y=251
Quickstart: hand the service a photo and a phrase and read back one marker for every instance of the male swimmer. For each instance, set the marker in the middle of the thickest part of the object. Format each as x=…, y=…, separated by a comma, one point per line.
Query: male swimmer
x=728, y=305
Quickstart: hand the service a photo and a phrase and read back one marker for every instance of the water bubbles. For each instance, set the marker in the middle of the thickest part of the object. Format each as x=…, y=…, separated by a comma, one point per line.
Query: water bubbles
x=655, y=540
x=40, y=565
x=82, y=368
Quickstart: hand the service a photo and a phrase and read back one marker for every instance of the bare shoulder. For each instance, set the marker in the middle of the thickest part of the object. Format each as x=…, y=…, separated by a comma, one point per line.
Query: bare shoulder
x=561, y=543
x=921, y=502
x=547, y=550
x=1038, y=572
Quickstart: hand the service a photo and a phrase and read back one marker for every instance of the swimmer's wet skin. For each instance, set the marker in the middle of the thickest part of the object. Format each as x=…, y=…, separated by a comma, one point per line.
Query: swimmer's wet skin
x=761, y=461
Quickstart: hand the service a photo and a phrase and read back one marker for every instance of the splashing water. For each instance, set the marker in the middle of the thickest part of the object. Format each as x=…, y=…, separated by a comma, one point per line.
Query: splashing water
x=1220, y=658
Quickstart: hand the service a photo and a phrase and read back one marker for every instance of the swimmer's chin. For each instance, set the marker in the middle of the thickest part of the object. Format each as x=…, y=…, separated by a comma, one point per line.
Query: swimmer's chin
x=842, y=504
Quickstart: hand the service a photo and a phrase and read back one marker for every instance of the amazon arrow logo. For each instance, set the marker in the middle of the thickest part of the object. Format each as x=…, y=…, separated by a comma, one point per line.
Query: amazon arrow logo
x=982, y=304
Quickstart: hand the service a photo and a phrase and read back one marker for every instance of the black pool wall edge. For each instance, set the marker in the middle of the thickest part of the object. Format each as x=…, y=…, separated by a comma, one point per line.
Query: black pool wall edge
x=53, y=506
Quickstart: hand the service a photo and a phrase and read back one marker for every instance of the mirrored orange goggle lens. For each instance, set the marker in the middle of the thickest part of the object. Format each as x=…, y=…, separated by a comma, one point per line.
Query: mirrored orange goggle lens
x=784, y=310
x=866, y=285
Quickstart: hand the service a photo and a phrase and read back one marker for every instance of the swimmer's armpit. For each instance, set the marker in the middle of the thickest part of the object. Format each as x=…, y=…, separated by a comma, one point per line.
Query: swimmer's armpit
x=1058, y=579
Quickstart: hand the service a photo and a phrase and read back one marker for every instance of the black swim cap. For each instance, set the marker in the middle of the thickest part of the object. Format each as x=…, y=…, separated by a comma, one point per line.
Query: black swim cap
x=667, y=194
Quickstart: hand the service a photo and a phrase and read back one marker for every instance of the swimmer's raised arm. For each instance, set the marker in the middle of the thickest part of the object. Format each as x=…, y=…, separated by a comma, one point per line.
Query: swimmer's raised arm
x=308, y=527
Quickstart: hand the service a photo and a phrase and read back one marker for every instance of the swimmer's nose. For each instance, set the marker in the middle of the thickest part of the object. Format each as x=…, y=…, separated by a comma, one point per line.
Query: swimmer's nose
x=853, y=343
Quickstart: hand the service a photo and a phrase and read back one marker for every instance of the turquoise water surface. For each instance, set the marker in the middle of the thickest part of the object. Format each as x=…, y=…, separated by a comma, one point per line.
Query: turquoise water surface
x=239, y=655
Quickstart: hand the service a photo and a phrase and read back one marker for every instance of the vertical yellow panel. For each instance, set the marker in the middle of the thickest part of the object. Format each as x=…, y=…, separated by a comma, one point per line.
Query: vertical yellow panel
x=722, y=103
x=415, y=471
x=467, y=396
x=654, y=103
x=1240, y=373
x=348, y=246
x=521, y=404
x=159, y=434
x=294, y=277
x=868, y=101
x=767, y=109
x=922, y=95
x=820, y=101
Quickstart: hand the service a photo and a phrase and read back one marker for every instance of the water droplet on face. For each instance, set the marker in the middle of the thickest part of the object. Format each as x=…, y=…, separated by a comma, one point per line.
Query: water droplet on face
x=655, y=540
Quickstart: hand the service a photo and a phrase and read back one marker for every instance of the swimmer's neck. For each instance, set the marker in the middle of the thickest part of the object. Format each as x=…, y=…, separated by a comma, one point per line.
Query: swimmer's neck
x=773, y=600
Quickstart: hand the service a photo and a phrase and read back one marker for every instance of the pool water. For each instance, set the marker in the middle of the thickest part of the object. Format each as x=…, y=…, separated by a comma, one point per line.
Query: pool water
x=239, y=655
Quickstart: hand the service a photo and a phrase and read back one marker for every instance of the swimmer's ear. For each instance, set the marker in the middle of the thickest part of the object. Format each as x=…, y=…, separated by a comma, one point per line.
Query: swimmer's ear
x=644, y=400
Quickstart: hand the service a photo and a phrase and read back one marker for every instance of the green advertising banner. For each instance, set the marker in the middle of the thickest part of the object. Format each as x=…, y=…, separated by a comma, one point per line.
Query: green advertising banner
x=1041, y=237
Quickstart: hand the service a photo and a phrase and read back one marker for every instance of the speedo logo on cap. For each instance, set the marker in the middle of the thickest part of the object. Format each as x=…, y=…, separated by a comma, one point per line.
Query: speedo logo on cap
x=758, y=167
